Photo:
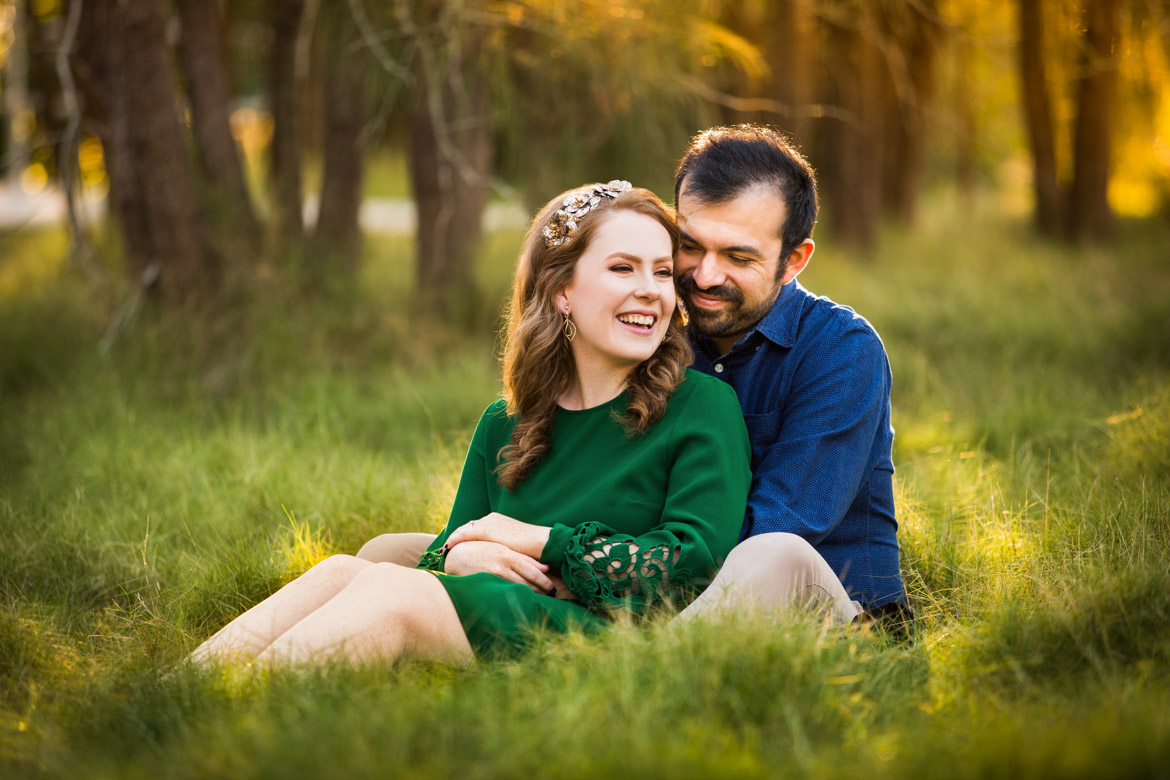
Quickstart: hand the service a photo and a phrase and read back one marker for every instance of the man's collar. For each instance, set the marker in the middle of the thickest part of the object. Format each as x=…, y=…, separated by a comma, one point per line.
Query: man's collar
x=782, y=320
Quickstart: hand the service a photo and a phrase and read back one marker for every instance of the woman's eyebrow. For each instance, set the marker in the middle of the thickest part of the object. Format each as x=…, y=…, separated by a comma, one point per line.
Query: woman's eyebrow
x=637, y=259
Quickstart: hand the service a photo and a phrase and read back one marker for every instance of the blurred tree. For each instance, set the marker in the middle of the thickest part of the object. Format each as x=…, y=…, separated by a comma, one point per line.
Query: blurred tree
x=1081, y=208
x=286, y=190
x=852, y=148
x=17, y=108
x=99, y=66
x=908, y=43
x=451, y=150
x=174, y=236
x=208, y=80
x=348, y=95
x=1089, y=213
x=1049, y=210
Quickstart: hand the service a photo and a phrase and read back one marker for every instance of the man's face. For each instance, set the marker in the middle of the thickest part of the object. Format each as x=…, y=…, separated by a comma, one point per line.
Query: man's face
x=729, y=261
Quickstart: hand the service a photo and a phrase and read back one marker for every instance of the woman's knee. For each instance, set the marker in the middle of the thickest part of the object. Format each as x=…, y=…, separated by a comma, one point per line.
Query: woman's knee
x=406, y=596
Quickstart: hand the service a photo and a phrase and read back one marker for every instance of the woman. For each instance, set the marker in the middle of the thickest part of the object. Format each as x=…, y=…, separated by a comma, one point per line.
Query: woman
x=608, y=478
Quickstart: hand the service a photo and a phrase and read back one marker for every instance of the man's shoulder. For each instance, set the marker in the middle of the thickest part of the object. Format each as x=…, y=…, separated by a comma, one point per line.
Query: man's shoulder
x=823, y=320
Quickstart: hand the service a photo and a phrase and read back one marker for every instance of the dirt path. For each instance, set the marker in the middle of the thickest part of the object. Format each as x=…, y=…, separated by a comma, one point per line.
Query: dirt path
x=18, y=209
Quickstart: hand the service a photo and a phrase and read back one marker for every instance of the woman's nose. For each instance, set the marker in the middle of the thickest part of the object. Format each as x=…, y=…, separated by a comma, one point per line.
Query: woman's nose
x=646, y=288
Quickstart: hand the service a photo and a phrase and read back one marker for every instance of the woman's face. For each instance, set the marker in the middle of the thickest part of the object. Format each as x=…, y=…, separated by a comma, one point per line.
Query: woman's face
x=622, y=294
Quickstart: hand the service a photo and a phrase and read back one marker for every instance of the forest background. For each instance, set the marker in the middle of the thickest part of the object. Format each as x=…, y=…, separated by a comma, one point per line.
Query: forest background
x=265, y=323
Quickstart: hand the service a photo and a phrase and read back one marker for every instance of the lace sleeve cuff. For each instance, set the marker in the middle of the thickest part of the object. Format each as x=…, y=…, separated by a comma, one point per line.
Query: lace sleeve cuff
x=433, y=560
x=606, y=570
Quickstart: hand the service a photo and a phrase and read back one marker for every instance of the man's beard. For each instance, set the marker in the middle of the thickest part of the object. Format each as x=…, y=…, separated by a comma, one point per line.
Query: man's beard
x=729, y=320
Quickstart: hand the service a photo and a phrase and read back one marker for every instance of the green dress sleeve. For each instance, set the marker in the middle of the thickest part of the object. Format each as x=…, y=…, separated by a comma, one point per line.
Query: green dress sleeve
x=707, y=491
x=471, y=499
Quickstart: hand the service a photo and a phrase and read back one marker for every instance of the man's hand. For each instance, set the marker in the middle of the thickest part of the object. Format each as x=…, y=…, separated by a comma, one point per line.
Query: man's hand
x=473, y=557
x=519, y=536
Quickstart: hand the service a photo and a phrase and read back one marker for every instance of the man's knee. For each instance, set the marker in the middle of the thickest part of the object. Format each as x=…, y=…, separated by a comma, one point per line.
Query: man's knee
x=403, y=549
x=775, y=553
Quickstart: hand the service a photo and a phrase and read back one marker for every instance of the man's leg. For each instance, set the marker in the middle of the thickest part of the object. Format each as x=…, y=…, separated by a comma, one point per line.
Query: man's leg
x=774, y=573
x=402, y=549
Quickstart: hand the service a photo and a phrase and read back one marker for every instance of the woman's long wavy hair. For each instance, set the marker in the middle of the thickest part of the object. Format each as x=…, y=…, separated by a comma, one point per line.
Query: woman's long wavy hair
x=538, y=364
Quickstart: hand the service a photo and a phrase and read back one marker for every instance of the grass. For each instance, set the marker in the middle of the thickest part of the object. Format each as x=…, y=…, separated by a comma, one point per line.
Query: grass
x=151, y=492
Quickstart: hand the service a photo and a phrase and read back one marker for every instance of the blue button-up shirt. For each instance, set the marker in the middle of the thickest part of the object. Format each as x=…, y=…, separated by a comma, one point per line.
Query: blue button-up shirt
x=814, y=383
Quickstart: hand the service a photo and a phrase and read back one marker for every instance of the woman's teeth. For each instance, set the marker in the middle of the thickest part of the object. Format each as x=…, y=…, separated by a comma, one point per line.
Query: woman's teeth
x=644, y=320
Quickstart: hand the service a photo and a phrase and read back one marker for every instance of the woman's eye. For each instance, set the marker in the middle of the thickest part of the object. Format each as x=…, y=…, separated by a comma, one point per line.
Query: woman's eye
x=665, y=273
x=621, y=268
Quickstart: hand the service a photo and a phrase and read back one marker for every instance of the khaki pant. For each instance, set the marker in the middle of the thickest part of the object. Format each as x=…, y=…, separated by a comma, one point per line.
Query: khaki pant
x=772, y=573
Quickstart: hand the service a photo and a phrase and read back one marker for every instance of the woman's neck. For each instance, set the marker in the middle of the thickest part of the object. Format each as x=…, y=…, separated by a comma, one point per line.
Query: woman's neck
x=593, y=386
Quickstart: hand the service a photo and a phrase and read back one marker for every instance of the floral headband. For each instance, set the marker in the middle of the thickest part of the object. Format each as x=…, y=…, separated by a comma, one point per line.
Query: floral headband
x=562, y=224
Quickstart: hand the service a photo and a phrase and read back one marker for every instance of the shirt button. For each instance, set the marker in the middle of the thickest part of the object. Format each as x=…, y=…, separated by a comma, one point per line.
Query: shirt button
x=718, y=368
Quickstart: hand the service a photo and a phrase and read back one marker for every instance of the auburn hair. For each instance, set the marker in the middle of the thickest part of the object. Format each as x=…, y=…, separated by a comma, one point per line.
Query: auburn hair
x=538, y=364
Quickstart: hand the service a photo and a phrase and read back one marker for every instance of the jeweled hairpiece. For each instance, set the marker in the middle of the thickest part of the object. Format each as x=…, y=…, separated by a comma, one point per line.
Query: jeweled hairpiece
x=561, y=225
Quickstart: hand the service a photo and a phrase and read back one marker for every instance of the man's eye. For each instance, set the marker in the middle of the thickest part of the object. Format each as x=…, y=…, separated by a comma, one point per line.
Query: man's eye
x=685, y=247
x=738, y=260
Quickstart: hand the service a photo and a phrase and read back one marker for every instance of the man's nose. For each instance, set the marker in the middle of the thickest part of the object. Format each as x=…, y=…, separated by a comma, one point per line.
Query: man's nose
x=708, y=273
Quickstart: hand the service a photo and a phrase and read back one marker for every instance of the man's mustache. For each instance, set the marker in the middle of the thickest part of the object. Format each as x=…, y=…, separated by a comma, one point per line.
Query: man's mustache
x=723, y=292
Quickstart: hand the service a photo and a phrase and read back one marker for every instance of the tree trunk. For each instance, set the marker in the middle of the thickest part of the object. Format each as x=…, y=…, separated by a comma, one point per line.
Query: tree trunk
x=912, y=83
x=100, y=71
x=159, y=153
x=967, y=130
x=1038, y=118
x=17, y=108
x=852, y=157
x=284, y=175
x=450, y=166
x=1089, y=212
x=206, y=63
x=347, y=89
x=788, y=37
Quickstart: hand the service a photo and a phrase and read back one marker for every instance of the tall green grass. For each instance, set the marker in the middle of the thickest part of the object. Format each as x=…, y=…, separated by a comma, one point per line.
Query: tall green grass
x=151, y=491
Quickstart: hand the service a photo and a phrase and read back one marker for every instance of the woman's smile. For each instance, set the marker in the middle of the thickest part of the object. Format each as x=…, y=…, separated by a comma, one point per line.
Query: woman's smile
x=622, y=295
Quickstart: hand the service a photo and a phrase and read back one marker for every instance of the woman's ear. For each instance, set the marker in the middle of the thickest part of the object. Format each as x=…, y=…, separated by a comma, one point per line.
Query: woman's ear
x=562, y=302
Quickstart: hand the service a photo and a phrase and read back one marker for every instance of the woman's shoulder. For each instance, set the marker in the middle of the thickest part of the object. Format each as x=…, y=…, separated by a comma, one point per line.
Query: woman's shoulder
x=495, y=420
x=699, y=386
x=702, y=394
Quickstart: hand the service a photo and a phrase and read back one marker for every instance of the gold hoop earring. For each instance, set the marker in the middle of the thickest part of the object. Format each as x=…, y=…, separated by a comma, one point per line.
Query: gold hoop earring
x=569, y=329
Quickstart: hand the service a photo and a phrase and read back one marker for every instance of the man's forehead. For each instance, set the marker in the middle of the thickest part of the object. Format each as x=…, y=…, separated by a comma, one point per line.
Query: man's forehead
x=754, y=197
x=759, y=210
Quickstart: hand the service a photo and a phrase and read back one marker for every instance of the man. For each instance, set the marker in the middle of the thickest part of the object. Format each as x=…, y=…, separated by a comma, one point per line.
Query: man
x=812, y=378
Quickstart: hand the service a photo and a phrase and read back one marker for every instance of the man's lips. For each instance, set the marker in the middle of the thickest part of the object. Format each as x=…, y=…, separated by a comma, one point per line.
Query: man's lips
x=705, y=302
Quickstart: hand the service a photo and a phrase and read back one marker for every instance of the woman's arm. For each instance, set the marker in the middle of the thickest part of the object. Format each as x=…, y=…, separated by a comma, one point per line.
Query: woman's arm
x=472, y=502
x=701, y=519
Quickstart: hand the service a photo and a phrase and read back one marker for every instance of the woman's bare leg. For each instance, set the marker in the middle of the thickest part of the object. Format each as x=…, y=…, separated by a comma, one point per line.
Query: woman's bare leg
x=249, y=634
x=385, y=612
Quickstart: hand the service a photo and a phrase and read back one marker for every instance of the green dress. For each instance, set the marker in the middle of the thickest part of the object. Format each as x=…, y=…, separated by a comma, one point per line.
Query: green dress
x=637, y=520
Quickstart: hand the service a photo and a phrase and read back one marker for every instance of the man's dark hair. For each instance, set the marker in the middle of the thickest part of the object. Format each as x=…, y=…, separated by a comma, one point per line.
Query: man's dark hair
x=724, y=161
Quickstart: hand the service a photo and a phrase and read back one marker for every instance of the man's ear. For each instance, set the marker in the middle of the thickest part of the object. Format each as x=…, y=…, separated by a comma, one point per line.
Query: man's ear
x=798, y=260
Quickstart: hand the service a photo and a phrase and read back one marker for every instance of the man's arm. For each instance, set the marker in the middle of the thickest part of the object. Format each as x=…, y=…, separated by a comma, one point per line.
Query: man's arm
x=810, y=472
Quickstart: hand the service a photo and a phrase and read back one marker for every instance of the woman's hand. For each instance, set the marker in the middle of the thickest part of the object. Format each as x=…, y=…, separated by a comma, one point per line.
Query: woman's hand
x=522, y=537
x=494, y=558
